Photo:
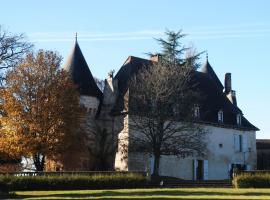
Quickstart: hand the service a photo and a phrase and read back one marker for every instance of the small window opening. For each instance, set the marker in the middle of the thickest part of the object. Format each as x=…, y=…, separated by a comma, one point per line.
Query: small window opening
x=239, y=119
x=197, y=112
x=220, y=116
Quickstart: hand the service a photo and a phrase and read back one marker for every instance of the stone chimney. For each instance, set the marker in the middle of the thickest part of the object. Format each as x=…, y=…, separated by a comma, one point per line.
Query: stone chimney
x=228, y=83
x=232, y=97
x=110, y=74
x=110, y=89
x=231, y=94
x=155, y=57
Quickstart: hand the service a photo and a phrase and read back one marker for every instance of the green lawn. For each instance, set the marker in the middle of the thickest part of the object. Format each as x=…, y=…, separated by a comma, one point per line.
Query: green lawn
x=197, y=193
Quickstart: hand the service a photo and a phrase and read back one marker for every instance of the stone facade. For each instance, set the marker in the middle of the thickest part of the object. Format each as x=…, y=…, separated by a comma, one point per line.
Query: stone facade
x=122, y=155
x=224, y=151
x=231, y=138
x=90, y=103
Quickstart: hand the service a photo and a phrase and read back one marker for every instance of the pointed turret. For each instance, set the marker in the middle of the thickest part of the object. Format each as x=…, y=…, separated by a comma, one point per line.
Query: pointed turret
x=80, y=73
x=209, y=70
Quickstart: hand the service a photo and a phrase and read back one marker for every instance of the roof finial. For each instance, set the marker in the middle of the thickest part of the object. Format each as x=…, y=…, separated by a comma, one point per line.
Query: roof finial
x=76, y=35
x=206, y=55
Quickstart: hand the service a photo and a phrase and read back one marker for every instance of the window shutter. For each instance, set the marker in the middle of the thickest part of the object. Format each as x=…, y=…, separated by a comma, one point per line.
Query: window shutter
x=229, y=171
x=195, y=164
x=151, y=164
x=240, y=143
x=245, y=143
x=236, y=143
x=205, y=170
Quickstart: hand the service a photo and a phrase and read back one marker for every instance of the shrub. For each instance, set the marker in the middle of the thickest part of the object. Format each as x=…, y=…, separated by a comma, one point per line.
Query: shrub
x=257, y=180
x=66, y=182
x=4, y=191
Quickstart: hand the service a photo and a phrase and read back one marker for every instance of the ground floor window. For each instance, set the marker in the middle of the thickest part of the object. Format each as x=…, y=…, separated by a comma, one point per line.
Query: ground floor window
x=200, y=169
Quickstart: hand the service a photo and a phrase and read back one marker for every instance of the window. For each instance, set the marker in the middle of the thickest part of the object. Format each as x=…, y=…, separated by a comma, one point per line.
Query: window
x=238, y=143
x=238, y=119
x=220, y=116
x=197, y=112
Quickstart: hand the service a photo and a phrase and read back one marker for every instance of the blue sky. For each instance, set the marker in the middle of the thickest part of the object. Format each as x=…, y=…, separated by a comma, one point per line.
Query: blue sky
x=236, y=35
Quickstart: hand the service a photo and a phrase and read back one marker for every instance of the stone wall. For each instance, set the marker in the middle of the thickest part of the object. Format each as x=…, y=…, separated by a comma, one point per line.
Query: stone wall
x=221, y=154
x=221, y=149
x=77, y=159
x=220, y=158
x=176, y=167
x=90, y=103
x=121, y=157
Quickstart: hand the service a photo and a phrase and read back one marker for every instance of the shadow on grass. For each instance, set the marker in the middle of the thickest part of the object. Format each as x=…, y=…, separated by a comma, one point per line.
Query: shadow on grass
x=163, y=194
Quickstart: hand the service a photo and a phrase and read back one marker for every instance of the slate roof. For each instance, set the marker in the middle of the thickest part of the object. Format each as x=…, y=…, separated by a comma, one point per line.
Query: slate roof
x=76, y=65
x=263, y=144
x=207, y=68
x=207, y=83
x=131, y=66
x=214, y=100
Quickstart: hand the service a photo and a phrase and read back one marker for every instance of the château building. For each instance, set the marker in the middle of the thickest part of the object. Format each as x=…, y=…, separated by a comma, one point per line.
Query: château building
x=231, y=138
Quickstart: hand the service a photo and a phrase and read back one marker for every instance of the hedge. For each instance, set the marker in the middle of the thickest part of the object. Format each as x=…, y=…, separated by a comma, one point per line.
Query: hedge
x=257, y=180
x=69, y=182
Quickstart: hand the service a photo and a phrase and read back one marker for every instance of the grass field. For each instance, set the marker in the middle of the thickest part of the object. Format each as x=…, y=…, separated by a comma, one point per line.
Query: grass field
x=197, y=193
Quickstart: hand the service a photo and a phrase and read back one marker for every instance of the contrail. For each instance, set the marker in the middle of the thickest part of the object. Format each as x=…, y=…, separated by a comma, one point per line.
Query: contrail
x=201, y=32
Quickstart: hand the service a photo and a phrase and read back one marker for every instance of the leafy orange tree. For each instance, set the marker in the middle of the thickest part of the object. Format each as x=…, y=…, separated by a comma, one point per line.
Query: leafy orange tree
x=39, y=109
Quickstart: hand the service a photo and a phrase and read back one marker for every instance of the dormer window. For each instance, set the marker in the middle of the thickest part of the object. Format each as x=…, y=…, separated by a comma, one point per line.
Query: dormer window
x=197, y=112
x=239, y=119
x=220, y=116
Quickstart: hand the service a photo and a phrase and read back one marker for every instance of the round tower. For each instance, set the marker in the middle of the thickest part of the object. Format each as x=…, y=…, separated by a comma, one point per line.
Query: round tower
x=90, y=94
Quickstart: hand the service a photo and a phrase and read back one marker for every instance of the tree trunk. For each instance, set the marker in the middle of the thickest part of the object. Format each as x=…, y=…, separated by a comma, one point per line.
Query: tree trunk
x=156, y=164
x=39, y=162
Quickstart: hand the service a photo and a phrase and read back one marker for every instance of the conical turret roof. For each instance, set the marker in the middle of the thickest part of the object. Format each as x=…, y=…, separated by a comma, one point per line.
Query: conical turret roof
x=207, y=69
x=80, y=73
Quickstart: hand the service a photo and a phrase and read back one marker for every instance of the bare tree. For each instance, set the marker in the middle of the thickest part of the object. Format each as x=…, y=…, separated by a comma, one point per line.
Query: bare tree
x=162, y=99
x=101, y=144
x=13, y=48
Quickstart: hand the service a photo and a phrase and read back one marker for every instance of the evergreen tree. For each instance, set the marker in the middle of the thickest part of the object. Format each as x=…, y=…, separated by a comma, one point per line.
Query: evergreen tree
x=174, y=53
